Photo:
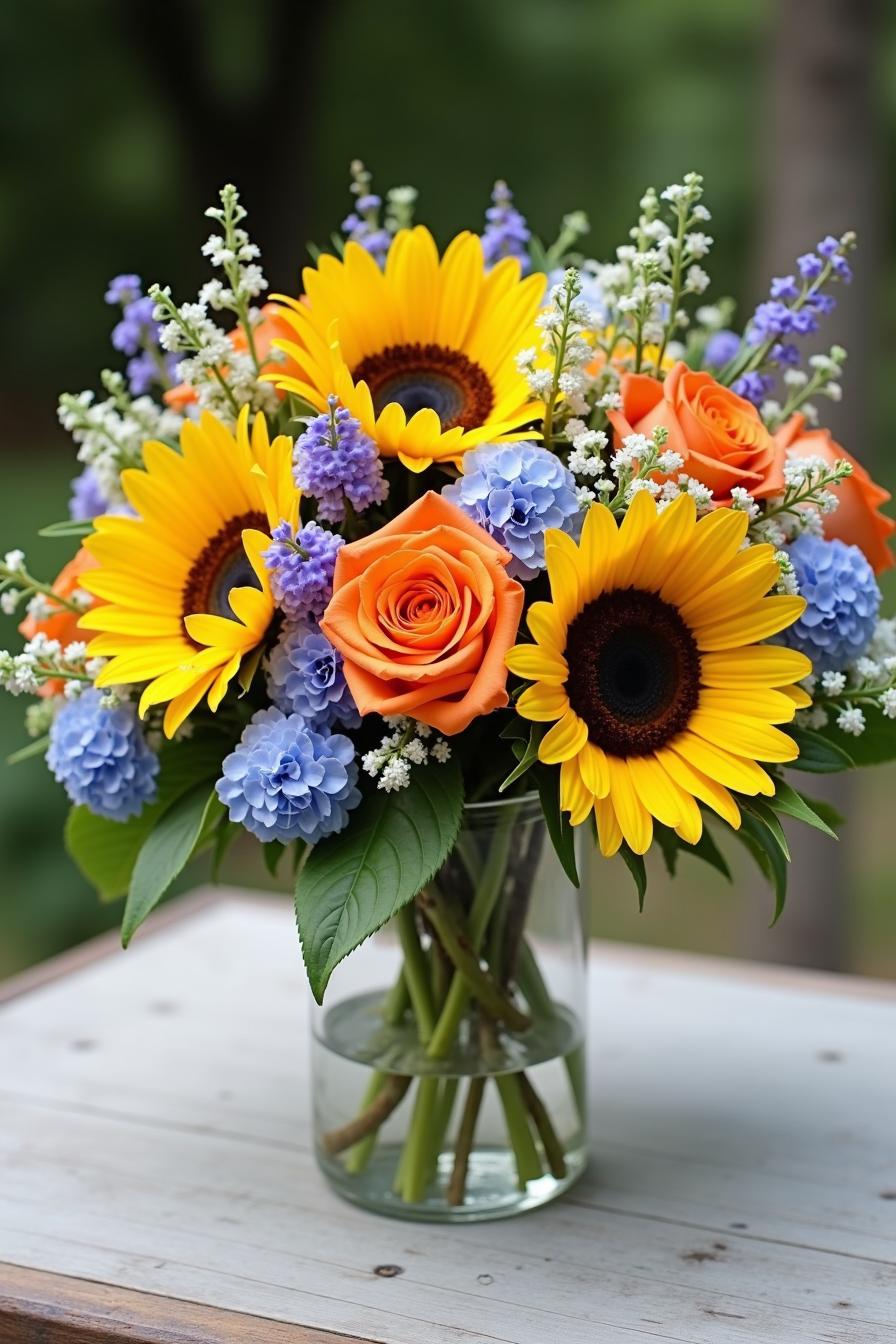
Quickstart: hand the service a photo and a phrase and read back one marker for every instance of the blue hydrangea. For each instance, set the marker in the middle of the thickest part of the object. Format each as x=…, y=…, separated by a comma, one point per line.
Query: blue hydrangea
x=101, y=757
x=843, y=602
x=305, y=677
x=301, y=567
x=336, y=461
x=506, y=232
x=516, y=491
x=285, y=782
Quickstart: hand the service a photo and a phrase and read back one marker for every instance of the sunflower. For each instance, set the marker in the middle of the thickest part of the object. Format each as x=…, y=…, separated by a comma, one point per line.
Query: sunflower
x=422, y=353
x=186, y=594
x=649, y=664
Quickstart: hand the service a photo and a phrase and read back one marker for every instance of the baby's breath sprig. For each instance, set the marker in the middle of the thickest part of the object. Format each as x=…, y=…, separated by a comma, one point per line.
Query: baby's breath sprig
x=807, y=497
x=684, y=248
x=43, y=659
x=408, y=744
x=235, y=253
x=17, y=586
x=189, y=331
x=110, y=434
x=563, y=324
x=869, y=683
x=631, y=468
x=823, y=381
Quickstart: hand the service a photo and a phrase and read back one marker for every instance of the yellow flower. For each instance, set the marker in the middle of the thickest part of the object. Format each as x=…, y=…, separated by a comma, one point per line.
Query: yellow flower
x=422, y=353
x=185, y=592
x=648, y=661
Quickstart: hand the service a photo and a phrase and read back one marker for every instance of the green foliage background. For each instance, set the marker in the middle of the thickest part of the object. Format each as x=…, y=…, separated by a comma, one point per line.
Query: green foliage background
x=120, y=121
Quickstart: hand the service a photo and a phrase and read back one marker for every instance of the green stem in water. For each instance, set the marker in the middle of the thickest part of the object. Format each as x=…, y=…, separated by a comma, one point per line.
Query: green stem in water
x=414, y=1169
x=487, y=892
x=416, y=973
x=553, y=1149
x=464, y=1146
x=457, y=941
x=528, y=1163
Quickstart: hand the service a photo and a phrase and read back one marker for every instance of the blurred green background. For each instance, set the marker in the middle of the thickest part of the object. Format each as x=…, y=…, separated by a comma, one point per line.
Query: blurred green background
x=121, y=121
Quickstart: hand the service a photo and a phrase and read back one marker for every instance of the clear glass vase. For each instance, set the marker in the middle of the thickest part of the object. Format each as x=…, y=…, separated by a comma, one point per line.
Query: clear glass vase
x=448, y=1059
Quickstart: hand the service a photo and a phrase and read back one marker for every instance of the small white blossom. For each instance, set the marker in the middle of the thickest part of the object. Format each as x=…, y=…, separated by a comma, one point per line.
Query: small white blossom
x=832, y=683
x=851, y=720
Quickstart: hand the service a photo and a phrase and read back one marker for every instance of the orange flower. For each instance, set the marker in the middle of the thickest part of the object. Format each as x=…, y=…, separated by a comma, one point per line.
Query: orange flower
x=720, y=435
x=856, y=520
x=423, y=612
x=271, y=328
x=62, y=624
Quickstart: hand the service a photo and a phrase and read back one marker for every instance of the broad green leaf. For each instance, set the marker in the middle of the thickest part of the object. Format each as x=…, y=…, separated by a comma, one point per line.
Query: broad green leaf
x=636, y=866
x=354, y=882
x=547, y=780
x=787, y=800
x=166, y=852
x=819, y=755
x=767, y=853
x=272, y=853
x=527, y=755
x=106, y=851
x=707, y=850
x=875, y=746
x=225, y=834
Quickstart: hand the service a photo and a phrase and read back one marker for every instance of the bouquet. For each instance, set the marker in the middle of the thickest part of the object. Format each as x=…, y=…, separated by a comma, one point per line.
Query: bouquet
x=493, y=526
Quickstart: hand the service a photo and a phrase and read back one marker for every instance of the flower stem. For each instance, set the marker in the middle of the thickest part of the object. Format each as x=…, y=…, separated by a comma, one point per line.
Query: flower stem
x=553, y=1149
x=416, y=973
x=464, y=1146
x=387, y=1098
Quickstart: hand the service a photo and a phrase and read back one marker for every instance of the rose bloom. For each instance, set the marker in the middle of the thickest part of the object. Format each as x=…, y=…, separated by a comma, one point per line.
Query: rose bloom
x=857, y=519
x=271, y=328
x=720, y=435
x=423, y=612
x=63, y=624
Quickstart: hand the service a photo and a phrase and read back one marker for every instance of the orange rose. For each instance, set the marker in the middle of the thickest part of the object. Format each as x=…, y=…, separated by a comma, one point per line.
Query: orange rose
x=423, y=612
x=856, y=520
x=271, y=328
x=63, y=624
x=720, y=435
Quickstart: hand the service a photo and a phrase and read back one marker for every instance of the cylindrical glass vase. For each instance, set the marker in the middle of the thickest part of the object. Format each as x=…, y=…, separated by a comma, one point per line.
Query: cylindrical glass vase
x=448, y=1059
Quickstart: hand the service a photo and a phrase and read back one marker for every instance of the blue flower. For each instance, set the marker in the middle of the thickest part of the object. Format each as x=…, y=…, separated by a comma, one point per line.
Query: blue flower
x=753, y=387
x=305, y=677
x=301, y=566
x=101, y=757
x=87, y=501
x=336, y=461
x=506, y=232
x=516, y=491
x=123, y=289
x=842, y=599
x=721, y=347
x=287, y=783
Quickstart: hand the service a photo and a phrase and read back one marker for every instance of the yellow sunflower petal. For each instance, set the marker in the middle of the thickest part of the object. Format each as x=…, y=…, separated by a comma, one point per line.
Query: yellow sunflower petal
x=595, y=771
x=609, y=834
x=695, y=782
x=635, y=821
x=567, y=737
x=542, y=704
x=575, y=798
x=759, y=665
x=743, y=736
x=537, y=664
x=597, y=552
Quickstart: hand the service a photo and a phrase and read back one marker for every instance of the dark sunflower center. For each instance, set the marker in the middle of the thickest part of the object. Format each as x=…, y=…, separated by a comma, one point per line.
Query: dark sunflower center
x=634, y=671
x=428, y=376
x=222, y=566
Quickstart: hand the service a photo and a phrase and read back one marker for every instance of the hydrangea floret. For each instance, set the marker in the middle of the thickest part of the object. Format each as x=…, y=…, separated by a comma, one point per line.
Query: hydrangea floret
x=100, y=756
x=305, y=677
x=843, y=601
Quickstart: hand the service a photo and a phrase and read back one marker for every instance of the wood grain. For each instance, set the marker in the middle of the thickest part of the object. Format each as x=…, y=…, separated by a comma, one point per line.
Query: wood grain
x=39, y=1308
x=154, y=1135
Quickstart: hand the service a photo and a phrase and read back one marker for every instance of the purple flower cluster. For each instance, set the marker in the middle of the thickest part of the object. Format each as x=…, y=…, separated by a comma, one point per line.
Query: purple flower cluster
x=721, y=348
x=101, y=757
x=361, y=227
x=336, y=461
x=137, y=334
x=305, y=677
x=284, y=782
x=301, y=567
x=506, y=232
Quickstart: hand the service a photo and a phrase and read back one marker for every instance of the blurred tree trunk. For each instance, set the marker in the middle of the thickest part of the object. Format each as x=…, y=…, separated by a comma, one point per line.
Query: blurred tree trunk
x=819, y=158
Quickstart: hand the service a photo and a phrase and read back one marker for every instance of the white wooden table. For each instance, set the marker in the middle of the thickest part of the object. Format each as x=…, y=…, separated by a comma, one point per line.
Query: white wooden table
x=154, y=1139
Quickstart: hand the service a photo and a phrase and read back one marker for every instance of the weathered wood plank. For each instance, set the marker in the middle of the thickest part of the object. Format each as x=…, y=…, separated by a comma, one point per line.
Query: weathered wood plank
x=154, y=1134
x=40, y=1308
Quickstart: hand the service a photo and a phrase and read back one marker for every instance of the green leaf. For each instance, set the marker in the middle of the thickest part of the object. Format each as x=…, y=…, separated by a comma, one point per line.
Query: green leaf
x=707, y=850
x=166, y=852
x=272, y=853
x=636, y=866
x=787, y=800
x=527, y=754
x=766, y=814
x=106, y=851
x=547, y=781
x=875, y=746
x=767, y=852
x=354, y=882
x=818, y=755
x=225, y=835
x=69, y=527
x=669, y=846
